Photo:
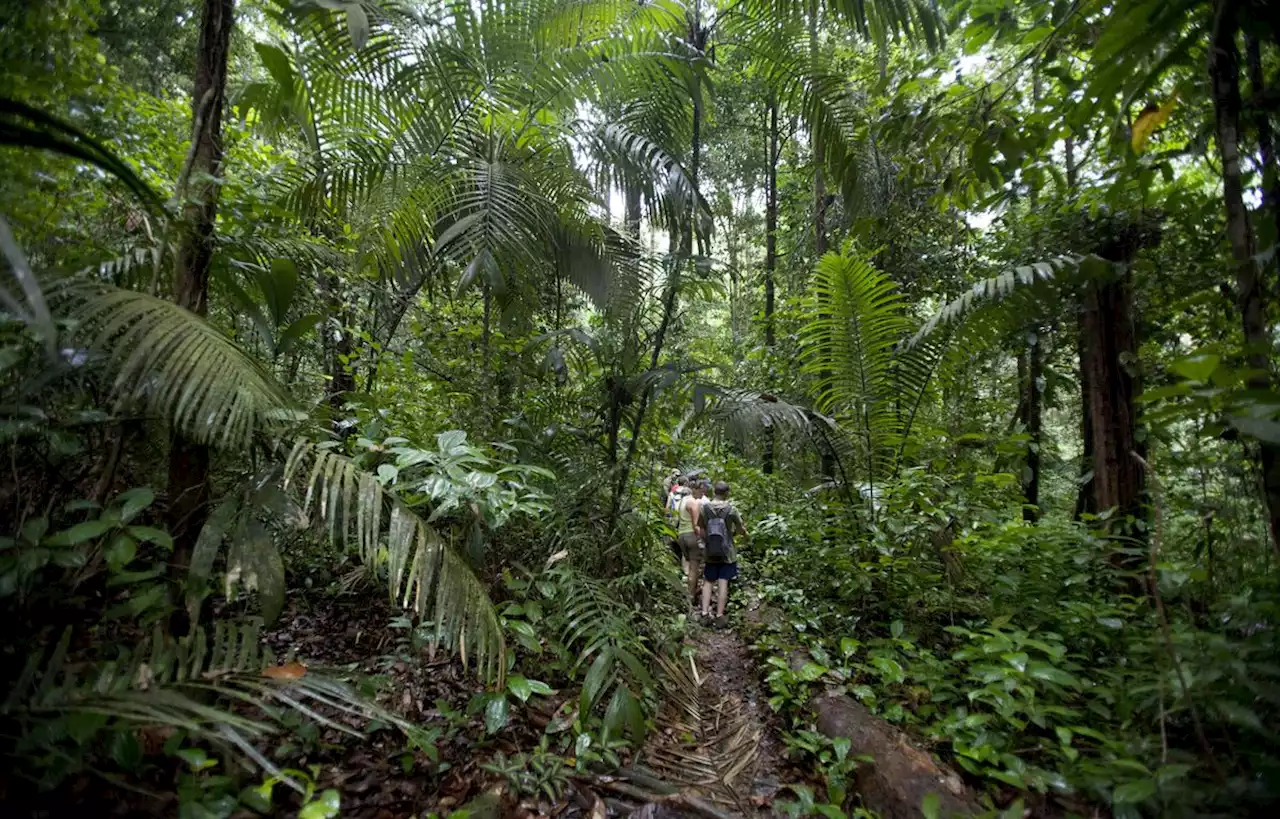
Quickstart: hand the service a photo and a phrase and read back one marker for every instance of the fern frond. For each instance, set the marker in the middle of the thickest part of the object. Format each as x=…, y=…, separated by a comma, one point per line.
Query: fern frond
x=743, y=413
x=1041, y=277
x=423, y=573
x=199, y=684
x=856, y=321
x=177, y=365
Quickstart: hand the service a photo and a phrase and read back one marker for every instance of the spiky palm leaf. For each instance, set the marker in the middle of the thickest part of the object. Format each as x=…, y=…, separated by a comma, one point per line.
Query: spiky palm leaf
x=25, y=127
x=176, y=365
x=423, y=573
x=808, y=80
x=199, y=684
x=744, y=413
x=1019, y=288
x=496, y=126
x=857, y=319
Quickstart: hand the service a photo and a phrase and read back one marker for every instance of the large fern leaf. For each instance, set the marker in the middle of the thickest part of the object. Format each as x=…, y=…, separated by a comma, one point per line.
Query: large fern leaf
x=856, y=321
x=177, y=365
x=423, y=573
x=219, y=686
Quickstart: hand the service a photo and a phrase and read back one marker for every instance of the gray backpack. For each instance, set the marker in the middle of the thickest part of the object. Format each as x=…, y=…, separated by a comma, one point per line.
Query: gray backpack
x=719, y=541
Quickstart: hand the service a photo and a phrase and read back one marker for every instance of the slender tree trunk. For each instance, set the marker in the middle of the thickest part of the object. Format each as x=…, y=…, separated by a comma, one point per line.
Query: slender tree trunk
x=770, y=260
x=1266, y=136
x=1084, y=493
x=820, y=207
x=198, y=192
x=633, y=215
x=1032, y=420
x=341, y=377
x=771, y=225
x=1224, y=76
x=1118, y=478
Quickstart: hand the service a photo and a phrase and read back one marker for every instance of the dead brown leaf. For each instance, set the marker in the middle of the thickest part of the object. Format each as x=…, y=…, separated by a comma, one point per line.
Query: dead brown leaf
x=288, y=671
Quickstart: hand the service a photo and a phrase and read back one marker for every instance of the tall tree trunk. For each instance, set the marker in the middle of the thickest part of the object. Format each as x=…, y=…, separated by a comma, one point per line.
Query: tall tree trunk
x=342, y=380
x=771, y=224
x=819, y=206
x=1032, y=420
x=1264, y=132
x=770, y=258
x=1224, y=76
x=1118, y=479
x=198, y=192
x=1084, y=493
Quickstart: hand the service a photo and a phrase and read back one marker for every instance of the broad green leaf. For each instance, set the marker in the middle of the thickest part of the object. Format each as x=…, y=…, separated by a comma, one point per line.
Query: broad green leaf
x=811, y=671
x=358, y=26
x=80, y=533
x=134, y=501
x=210, y=539
x=325, y=806
x=496, y=713
x=447, y=441
x=277, y=64
x=594, y=681
x=120, y=551
x=519, y=686
x=931, y=806
x=148, y=534
x=1196, y=367
x=1139, y=790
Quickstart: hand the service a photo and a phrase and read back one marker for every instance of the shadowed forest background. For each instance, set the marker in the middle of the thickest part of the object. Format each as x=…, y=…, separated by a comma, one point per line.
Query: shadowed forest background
x=345, y=346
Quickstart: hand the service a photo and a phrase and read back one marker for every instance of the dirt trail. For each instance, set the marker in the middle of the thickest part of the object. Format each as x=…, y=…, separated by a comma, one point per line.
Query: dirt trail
x=716, y=738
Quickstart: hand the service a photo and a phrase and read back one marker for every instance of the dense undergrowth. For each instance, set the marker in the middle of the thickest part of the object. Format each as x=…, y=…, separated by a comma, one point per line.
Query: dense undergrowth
x=1022, y=654
x=345, y=347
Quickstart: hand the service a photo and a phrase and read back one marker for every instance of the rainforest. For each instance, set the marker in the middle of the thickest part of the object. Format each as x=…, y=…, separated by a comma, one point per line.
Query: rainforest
x=500, y=409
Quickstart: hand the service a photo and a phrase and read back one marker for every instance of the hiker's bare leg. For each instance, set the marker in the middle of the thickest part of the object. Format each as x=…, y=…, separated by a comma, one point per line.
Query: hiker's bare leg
x=721, y=596
x=706, y=599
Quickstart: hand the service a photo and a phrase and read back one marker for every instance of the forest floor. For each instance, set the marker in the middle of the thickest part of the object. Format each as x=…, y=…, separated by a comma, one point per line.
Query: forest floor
x=717, y=739
x=716, y=751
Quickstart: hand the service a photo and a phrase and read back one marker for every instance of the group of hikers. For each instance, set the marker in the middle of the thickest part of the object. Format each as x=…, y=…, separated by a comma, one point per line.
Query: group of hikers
x=705, y=528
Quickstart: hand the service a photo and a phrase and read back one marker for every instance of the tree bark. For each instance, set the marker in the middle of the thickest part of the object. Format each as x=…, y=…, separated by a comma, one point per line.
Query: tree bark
x=188, y=485
x=1224, y=77
x=819, y=204
x=1032, y=420
x=1118, y=479
x=770, y=257
x=1264, y=132
x=341, y=378
x=1084, y=493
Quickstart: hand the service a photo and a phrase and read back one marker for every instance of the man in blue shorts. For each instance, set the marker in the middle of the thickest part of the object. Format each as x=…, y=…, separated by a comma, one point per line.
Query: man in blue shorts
x=720, y=569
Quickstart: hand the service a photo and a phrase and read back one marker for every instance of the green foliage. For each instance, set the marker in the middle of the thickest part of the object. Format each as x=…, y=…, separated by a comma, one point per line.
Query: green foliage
x=422, y=572
x=71, y=717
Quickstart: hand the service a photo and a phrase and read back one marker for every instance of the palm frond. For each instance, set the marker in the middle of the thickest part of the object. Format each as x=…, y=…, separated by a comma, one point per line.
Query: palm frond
x=198, y=684
x=176, y=364
x=23, y=126
x=744, y=413
x=423, y=573
x=856, y=322
x=1017, y=289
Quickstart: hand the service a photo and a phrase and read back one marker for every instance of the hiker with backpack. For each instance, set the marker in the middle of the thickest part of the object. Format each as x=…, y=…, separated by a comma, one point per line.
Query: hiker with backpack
x=676, y=490
x=689, y=534
x=719, y=522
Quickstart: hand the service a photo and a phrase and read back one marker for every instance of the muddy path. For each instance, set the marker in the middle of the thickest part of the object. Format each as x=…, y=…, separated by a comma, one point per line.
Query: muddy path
x=717, y=740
